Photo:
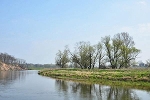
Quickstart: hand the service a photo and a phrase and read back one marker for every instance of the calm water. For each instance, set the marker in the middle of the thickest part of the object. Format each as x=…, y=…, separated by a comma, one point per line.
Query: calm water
x=28, y=85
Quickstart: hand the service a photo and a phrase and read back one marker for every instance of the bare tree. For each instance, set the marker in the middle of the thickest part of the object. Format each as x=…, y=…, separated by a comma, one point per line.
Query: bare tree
x=98, y=54
x=84, y=55
x=62, y=58
x=111, y=51
x=101, y=55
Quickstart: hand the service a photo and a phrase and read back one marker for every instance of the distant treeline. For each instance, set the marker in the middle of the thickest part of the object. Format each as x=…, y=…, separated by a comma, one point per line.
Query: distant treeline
x=11, y=60
x=34, y=66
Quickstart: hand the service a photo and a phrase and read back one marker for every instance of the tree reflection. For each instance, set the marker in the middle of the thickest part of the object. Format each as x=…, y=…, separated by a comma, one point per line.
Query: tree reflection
x=8, y=77
x=115, y=93
x=62, y=85
x=93, y=91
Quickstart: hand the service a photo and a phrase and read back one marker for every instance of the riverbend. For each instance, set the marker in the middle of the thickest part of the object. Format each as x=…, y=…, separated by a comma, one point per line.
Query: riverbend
x=28, y=85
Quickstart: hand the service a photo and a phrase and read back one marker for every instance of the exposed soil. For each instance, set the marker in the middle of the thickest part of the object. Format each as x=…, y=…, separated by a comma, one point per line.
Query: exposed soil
x=5, y=67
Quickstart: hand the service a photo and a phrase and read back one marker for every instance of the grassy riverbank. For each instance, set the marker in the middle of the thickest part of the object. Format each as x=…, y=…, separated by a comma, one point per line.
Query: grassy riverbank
x=135, y=78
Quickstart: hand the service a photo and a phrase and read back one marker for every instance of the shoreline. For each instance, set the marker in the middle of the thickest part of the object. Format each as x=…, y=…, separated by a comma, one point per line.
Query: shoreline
x=131, y=78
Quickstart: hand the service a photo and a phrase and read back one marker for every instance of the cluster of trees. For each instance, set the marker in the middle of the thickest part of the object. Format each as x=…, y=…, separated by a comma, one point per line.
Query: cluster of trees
x=36, y=66
x=117, y=51
x=11, y=60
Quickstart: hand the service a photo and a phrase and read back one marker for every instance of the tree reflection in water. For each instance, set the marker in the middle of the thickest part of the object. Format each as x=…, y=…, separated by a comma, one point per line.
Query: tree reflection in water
x=8, y=77
x=94, y=91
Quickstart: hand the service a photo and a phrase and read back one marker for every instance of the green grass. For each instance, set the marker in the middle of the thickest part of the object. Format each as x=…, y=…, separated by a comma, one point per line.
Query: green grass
x=135, y=78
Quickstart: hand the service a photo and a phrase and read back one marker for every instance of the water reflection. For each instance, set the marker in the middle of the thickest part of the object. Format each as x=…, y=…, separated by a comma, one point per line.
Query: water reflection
x=8, y=77
x=95, y=91
x=28, y=85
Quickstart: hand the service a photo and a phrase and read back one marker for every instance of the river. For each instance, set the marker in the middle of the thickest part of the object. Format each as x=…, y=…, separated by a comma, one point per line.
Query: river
x=28, y=85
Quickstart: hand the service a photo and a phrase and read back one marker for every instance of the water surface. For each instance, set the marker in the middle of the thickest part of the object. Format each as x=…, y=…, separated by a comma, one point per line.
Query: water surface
x=28, y=85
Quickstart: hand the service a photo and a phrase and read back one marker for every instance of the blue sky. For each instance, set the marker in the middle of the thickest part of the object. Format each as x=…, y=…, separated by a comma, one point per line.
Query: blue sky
x=35, y=30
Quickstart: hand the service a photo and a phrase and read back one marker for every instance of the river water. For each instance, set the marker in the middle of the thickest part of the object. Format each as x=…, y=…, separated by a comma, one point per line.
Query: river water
x=28, y=85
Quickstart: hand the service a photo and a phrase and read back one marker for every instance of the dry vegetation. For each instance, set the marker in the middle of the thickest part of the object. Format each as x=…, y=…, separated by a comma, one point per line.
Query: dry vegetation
x=139, y=78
